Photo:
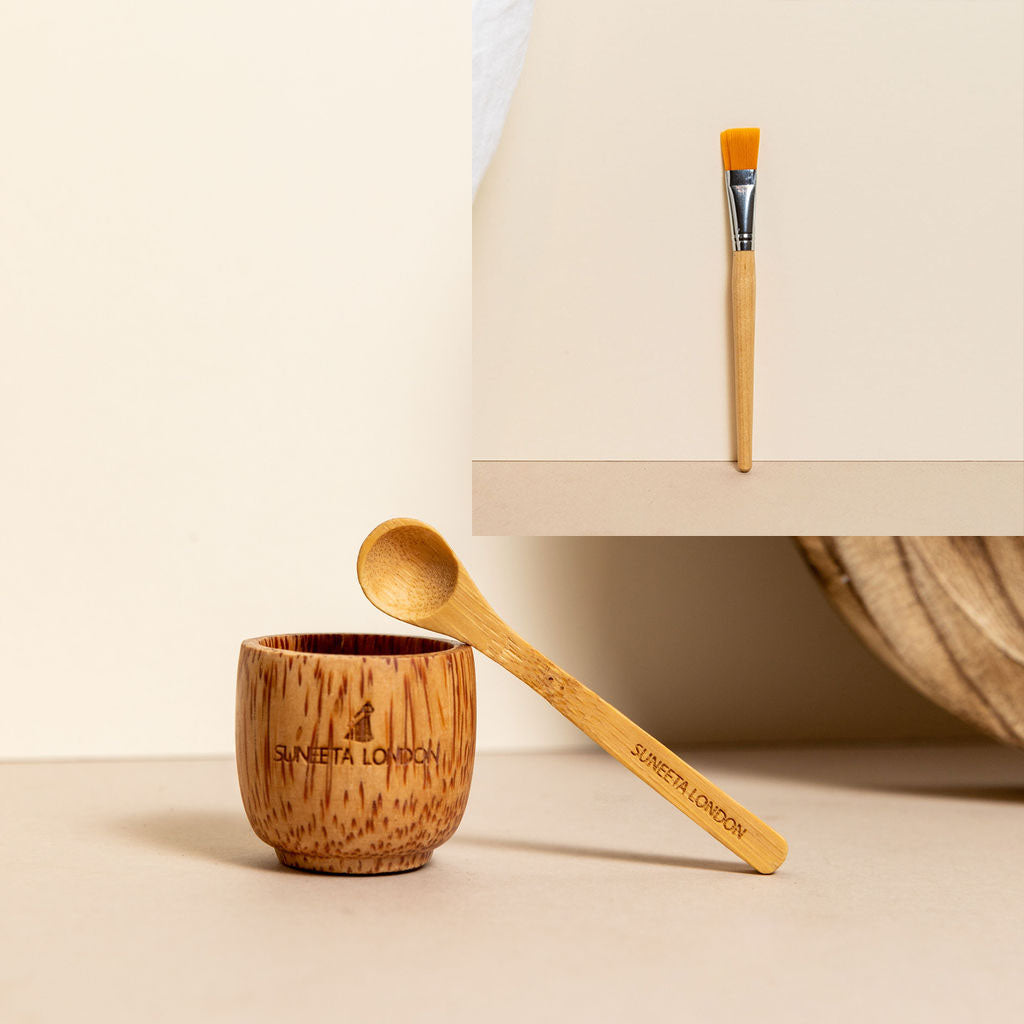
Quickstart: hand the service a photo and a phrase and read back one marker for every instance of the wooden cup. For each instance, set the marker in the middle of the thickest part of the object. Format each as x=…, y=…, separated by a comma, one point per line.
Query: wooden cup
x=355, y=752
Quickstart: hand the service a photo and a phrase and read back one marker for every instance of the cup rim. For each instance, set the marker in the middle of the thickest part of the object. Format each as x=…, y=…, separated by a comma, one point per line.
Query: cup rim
x=260, y=643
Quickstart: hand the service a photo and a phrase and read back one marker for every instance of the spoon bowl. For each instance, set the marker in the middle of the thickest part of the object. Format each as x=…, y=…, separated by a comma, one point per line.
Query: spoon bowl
x=407, y=570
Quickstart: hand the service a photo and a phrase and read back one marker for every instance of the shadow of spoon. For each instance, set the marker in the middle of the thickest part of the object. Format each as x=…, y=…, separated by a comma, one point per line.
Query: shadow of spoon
x=629, y=856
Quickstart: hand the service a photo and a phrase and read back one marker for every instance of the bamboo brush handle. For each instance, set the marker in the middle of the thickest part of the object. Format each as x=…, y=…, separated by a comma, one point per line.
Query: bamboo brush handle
x=743, y=300
x=685, y=788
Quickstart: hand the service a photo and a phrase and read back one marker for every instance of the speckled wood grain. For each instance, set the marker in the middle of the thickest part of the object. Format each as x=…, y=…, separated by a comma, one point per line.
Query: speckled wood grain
x=355, y=752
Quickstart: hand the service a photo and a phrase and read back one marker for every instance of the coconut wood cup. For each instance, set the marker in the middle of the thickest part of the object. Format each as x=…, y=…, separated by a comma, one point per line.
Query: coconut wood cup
x=355, y=752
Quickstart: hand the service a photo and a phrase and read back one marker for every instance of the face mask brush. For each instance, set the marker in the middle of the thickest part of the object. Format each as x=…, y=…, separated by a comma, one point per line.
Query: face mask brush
x=739, y=155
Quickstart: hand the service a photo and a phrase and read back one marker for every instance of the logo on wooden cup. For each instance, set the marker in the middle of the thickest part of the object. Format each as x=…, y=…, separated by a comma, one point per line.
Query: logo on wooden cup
x=360, y=729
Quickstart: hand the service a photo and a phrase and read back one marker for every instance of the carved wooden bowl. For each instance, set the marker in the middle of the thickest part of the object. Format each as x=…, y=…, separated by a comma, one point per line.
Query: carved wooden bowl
x=355, y=752
x=947, y=613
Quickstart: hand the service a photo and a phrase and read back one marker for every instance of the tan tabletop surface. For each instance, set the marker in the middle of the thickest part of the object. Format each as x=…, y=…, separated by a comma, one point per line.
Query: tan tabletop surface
x=663, y=499
x=135, y=890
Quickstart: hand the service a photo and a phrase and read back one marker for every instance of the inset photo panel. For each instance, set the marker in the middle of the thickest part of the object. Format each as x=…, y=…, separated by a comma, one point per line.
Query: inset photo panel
x=749, y=268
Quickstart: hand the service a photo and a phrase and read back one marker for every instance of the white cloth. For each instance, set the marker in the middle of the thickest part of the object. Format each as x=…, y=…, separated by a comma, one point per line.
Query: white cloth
x=501, y=29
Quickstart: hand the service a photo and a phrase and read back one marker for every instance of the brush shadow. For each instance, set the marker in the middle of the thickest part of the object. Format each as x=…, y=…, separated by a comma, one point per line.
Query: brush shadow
x=594, y=853
x=210, y=835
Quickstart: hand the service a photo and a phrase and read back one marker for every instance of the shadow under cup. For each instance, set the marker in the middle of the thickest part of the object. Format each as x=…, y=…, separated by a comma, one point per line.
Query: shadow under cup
x=355, y=751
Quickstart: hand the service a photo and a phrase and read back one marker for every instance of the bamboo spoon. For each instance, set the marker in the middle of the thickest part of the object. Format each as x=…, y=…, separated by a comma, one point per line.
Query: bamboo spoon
x=408, y=571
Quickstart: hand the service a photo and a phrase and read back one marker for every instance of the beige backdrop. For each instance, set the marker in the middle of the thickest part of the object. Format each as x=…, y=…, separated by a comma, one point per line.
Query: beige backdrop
x=235, y=336
x=889, y=245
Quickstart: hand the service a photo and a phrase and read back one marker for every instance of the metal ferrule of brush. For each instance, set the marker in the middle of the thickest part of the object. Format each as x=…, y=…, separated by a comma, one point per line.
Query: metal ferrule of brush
x=740, y=187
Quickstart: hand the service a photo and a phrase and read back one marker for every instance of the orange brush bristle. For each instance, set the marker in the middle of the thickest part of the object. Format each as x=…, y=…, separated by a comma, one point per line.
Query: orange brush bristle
x=739, y=148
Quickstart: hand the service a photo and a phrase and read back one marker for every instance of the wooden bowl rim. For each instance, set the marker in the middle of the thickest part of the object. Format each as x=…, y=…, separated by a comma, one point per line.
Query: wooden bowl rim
x=448, y=645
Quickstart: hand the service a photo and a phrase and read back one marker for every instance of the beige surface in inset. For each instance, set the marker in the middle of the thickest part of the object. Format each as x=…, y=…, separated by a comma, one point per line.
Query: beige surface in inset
x=889, y=250
x=711, y=498
x=136, y=890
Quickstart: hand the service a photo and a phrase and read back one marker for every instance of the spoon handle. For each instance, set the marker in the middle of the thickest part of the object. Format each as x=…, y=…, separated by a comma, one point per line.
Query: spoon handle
x=668, y=774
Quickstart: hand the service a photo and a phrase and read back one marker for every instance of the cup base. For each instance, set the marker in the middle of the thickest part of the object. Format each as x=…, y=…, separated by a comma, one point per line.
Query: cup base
x=388, y=864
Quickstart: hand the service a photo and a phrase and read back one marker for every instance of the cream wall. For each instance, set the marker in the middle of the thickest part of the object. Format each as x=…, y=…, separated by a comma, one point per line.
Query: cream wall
x=235, y=255
x=235, y=336
x=889, y=316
